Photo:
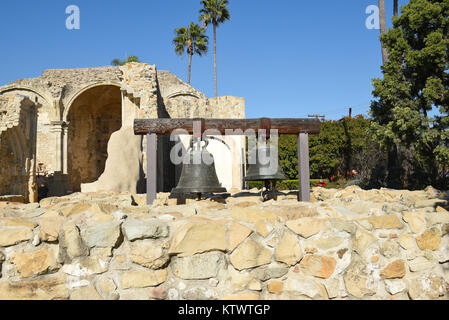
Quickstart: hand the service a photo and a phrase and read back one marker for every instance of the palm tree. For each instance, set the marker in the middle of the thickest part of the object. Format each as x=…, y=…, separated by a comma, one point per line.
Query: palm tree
x=383, y=28
x=214, y=12
x=396, y=8
x=193, y=39
x=118, y=62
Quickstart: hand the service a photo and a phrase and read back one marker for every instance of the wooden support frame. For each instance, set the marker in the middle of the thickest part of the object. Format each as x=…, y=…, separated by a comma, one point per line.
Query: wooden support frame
x=154, y=127
x=151, y=168
x=303, y=167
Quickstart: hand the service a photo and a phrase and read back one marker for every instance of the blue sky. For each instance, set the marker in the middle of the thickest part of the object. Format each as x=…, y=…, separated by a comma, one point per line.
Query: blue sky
x=287, y=58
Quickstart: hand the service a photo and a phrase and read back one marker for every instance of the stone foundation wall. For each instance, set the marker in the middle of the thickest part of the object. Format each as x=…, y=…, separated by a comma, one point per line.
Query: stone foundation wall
x=345, y=244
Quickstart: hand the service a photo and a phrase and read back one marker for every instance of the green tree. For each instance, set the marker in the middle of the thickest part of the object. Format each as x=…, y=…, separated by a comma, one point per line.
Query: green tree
x=341, y=146
x=192, y=39
x=288, y=157
x=415, y=82
x=118, y=62
x=214, y=12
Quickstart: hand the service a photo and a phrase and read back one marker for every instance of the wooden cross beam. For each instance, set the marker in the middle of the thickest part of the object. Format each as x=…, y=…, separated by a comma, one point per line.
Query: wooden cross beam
x=227, y=126
x=302, y=127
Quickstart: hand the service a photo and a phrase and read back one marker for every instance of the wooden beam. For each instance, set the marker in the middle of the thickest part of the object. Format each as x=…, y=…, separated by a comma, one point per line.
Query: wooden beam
x=303, y=166
x=227, y=126
x=151, y=168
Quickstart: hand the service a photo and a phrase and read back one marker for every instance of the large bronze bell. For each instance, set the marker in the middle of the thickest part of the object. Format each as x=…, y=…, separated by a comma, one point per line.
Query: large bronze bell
x=199, y=177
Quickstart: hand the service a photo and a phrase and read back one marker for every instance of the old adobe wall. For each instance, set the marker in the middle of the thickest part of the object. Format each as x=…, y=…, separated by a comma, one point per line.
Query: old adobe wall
x=345, y=244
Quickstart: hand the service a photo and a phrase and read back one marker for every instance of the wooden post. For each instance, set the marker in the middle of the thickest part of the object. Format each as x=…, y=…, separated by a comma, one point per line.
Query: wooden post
x=151, y=168
x=303, y=164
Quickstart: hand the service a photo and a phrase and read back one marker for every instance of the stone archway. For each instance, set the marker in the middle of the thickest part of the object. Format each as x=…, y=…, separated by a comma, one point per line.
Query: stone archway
x=93, y=116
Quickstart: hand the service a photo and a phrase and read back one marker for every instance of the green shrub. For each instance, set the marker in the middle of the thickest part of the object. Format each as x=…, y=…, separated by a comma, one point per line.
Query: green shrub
x=287, y=185
x=255, y=184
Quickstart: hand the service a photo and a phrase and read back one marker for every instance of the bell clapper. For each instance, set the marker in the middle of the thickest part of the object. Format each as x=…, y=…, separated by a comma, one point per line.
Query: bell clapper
x=262, y=194
x=268, y=192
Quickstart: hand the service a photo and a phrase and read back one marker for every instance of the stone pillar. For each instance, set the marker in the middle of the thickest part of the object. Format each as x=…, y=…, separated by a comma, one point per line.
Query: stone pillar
x=57, y=131
x=303, y=167
x=58, y=187
x=65, y=143
x=32, y=183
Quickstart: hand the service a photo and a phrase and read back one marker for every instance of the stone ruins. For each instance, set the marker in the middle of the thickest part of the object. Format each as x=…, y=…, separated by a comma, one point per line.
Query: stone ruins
x=71, y=130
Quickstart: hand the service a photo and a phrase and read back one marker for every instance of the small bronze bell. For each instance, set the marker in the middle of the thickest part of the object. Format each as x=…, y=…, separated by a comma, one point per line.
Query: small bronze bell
x=261, y=171
x=267, y=170
x=198, y=177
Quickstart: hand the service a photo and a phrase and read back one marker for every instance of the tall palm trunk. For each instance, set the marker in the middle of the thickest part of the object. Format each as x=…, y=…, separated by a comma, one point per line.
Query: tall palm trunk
x=396, y=8
x=383, y=28
x=190, y=66
x=394, y=172
x=215, y=58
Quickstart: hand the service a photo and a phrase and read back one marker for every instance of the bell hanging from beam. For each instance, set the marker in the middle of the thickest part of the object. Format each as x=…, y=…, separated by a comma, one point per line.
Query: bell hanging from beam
x=264, y=166
x=198, y=172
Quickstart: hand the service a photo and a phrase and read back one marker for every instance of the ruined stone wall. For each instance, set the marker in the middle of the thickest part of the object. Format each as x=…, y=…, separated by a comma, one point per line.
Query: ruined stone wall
x=139, y=84
x=227, y=107
x=72, y=134
x=345, y=244
x=183, y=101
x=45, y=147
x=9, y=166
x=64, y=84
x=18, y=117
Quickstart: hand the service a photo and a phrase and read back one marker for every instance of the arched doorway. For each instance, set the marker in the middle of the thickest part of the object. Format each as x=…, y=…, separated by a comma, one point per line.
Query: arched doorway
x=93, y=116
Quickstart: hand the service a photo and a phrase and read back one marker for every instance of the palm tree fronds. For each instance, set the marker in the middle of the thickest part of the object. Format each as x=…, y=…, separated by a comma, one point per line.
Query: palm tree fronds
x=191, y=39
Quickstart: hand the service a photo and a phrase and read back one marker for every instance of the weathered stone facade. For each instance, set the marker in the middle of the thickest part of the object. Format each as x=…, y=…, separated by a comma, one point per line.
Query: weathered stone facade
x=346, y=244
x=18, y=117
x=81, y=109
